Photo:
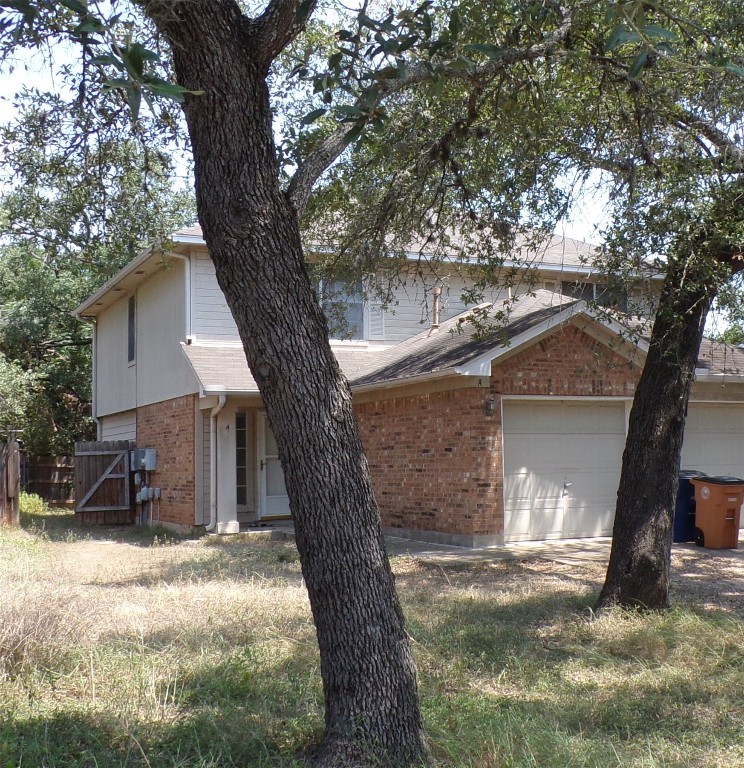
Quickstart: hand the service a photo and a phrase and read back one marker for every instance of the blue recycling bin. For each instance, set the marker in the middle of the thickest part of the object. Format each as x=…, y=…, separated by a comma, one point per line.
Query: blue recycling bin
x=684, y=508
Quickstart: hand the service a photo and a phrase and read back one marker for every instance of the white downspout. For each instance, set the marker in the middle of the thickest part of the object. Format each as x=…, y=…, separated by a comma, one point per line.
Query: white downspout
x=94, y=383
x=187, y=287
x=213, y=461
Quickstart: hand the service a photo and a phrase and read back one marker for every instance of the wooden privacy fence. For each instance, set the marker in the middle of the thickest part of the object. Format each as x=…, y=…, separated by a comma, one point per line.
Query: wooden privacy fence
x=10, y=482
x=103, y=483
x=52, y=478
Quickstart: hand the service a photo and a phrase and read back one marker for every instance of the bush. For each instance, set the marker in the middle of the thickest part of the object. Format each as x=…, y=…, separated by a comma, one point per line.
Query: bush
x=33, y=505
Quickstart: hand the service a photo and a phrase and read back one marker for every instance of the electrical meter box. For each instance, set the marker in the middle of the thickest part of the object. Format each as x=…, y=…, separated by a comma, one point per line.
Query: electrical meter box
x=143, y=459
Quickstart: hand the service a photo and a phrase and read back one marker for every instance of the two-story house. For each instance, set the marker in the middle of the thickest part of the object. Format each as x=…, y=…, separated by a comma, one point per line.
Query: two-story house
x=472, y=438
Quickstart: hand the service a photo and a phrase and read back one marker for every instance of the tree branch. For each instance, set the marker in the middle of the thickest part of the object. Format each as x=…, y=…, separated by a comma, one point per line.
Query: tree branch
x=732, y=155
x=279, y=24
x=315, y=164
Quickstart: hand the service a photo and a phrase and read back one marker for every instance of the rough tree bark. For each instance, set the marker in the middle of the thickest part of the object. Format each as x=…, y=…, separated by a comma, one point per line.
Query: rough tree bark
x=372, y=715
x=640, y=558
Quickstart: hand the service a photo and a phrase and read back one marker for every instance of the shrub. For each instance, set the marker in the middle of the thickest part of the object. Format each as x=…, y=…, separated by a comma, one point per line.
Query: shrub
x=33, y=505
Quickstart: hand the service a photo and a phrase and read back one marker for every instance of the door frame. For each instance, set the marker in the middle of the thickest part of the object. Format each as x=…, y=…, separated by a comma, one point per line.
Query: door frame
x=262, y=423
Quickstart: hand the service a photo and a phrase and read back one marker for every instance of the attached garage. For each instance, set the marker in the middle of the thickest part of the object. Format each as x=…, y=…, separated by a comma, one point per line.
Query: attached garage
x=562, y=462
x=714, y=439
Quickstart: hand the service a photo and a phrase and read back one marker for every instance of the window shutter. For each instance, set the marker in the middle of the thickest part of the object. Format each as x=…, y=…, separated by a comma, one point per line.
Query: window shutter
x=376, y=320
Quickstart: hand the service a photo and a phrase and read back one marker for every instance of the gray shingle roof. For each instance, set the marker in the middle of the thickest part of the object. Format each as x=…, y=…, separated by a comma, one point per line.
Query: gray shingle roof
x=459, y=341
x=716, y=357
x=223, y=367
x=554, y=251
x=465, y=337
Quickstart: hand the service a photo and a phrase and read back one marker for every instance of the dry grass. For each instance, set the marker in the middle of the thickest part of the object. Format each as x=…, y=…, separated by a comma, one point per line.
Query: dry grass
x=121, y=648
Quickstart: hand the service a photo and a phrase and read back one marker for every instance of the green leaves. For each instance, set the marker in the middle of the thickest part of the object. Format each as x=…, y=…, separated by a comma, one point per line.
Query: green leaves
x=100, y=37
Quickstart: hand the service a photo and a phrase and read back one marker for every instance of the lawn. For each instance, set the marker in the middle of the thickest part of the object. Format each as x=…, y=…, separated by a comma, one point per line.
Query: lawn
x=133, y=648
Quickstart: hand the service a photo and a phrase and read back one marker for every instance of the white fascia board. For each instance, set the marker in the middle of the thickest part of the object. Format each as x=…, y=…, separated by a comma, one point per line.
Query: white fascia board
x=187, y=239
x=138, y=261
x=702, y=374
x=220, y=389
x=481, y=365
x=133, y=265
x=617, y=328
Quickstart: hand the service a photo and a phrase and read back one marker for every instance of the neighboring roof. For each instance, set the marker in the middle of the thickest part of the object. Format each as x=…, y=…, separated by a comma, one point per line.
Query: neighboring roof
x=555, y=251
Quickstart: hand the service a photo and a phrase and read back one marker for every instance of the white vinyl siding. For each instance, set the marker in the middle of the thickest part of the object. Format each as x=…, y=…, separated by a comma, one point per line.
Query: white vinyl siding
x=407, y=313
x=212, y=319
x=119, y=426
x=410, y=309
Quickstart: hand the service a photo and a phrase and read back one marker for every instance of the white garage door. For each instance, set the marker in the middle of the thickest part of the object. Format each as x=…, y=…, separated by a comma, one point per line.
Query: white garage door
x=562, y=464
x=714, y=439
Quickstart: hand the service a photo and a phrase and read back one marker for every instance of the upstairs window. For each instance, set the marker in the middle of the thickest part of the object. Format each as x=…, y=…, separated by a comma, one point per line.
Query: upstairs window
x=131, y=329
x=604, y=295
x=583, y=291
x=343, y=304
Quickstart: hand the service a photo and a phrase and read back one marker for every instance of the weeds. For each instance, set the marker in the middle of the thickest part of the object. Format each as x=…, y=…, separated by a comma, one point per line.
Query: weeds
x=153, y=653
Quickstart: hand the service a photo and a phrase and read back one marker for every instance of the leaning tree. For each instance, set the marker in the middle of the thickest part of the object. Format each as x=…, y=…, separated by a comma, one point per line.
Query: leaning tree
x=221, y=60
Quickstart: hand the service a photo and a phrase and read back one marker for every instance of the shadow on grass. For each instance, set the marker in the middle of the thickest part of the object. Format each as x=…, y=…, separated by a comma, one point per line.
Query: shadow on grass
x=524, y=680
x=246, y=710
x=197, y=740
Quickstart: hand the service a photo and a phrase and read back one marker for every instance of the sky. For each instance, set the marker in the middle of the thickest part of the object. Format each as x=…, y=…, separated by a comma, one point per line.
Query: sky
x=33, y=71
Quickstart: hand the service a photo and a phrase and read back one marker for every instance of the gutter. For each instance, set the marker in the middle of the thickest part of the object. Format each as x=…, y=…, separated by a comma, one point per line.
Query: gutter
x=702, y=374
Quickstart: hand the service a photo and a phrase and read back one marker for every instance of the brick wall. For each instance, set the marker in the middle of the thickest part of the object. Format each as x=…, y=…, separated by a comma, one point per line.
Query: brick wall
x=436, y=459
x=569, y=363
x=169, y=428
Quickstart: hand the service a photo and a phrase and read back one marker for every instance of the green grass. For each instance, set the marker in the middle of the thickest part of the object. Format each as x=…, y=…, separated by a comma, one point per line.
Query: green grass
x=122, y=649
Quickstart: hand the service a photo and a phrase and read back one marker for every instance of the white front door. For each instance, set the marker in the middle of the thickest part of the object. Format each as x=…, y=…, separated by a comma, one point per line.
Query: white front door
x=272, y=493
x=561, y=468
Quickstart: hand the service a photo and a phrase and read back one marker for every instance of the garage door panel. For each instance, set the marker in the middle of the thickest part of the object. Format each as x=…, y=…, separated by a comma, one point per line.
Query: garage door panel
x=714, y=439
x=523, y=517
x=561, y=468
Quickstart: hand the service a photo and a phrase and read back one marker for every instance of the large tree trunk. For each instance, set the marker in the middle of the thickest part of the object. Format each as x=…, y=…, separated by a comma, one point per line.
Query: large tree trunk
x=638, y=571
x=371, y=704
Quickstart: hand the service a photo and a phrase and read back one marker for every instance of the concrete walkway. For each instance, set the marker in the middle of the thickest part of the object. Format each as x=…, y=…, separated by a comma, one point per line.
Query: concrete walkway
x=569, y=551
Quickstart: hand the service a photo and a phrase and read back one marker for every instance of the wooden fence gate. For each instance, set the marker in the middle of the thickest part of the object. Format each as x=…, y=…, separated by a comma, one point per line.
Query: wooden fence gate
x=10, y=482
x=103, y=483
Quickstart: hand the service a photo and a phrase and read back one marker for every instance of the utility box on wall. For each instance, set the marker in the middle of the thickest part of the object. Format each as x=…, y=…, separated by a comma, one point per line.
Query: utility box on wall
x=144, y=459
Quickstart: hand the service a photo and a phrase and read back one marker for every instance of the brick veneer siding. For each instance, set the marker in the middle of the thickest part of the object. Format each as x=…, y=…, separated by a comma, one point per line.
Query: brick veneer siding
x=569, y=363
x=169, y=427
x=436, y=459
x=433, y=460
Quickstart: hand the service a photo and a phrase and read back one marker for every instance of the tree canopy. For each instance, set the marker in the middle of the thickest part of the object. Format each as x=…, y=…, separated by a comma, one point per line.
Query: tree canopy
x=79, y=201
